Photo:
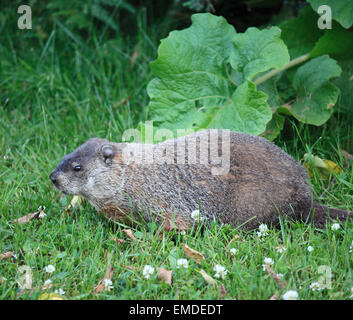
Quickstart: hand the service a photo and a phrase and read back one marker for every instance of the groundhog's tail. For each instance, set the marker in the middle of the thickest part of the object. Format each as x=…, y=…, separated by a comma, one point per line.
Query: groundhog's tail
x=320, y=215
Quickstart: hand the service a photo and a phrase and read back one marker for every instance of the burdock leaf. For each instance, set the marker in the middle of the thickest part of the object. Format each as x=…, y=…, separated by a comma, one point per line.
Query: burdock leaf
x=337, y=42
x=258, y=51
x=342, y=10
x=316, y=96
x=193, y=90
x=301, y=33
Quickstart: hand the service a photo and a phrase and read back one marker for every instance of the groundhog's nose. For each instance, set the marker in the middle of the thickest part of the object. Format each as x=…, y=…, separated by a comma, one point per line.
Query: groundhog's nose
x=53, y=176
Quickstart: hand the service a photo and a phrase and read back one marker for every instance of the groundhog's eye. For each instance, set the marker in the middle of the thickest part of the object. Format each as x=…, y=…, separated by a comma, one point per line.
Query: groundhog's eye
x=77, y=168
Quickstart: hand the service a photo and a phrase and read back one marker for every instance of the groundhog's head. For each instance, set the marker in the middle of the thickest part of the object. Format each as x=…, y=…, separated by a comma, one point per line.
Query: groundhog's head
x=87, y=171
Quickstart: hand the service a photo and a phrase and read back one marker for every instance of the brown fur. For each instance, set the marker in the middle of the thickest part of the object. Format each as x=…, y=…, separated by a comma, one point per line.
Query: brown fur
x=260, y=181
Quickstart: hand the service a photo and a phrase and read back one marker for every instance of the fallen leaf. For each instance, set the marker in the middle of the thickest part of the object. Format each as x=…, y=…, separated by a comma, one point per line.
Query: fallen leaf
x=325, y=167
x=76, y=200
x=27, y=218
x=191, y=253
x=134, y=56
x=347, y=155
x=165, y=275
x=281, y=283
x=131, y=268
x=129, y=234
x=118, y=241
x=173, y=222
x=208, y=278
x=237, y=237
x=6, y=255
x=275, y=296
x=50, y=296
x=222, y=291
x=108, y=275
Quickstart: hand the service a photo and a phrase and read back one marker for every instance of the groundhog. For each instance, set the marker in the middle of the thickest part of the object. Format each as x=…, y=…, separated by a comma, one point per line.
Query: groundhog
x=231, y=177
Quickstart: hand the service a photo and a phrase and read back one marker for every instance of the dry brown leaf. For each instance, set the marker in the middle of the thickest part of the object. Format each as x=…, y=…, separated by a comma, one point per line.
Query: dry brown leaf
x=134, y=56
x=280, y=282
x=174, y=222
x=27, y=218
x=129, y=234
x=76, y=200
x=347, y=155
x=6, y=255
x=237, y=237
x=165, y=275
x=118, y=241
x=108, y=275
x=208, y=278
x=177, y=224
x=275, y=296
x=222, y=291
x=193, y=254
x=131, y=268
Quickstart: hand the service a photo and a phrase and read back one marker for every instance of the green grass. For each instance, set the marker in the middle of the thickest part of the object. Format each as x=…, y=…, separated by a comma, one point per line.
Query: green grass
x=54, y=96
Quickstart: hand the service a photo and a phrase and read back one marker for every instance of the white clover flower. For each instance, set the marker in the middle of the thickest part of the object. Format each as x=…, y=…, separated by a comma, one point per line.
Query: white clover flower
x=279, y=275
x=310, y=248
x=196, y=215
x=147, y=271
x=49, y=268
x=108, y=284
x=182, y=263
x=290, y=295
x=335, y=226
x=42, y=215
x=233, y=251
x=220, y=271
x=316, y=286
x=263, y=228
x=47, y=284
x=281, y=248
x=183, y=233
x=60, y=291
x=267, y=261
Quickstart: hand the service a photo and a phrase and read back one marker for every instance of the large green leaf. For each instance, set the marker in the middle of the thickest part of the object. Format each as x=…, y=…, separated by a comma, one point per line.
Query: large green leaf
x=337, y=42
x=247, y=111
x=257, y=51
x=300, y=34
x=275, y=126
x=316, y=96
x=342, y=10
x=193, y=89
x=345, y=84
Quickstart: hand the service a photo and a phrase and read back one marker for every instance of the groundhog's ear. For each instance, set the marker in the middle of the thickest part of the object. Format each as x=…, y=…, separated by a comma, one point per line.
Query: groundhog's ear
x=108, y=153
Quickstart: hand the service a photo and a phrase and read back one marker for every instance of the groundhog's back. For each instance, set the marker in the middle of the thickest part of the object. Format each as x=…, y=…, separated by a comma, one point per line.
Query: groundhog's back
x=260, y=183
